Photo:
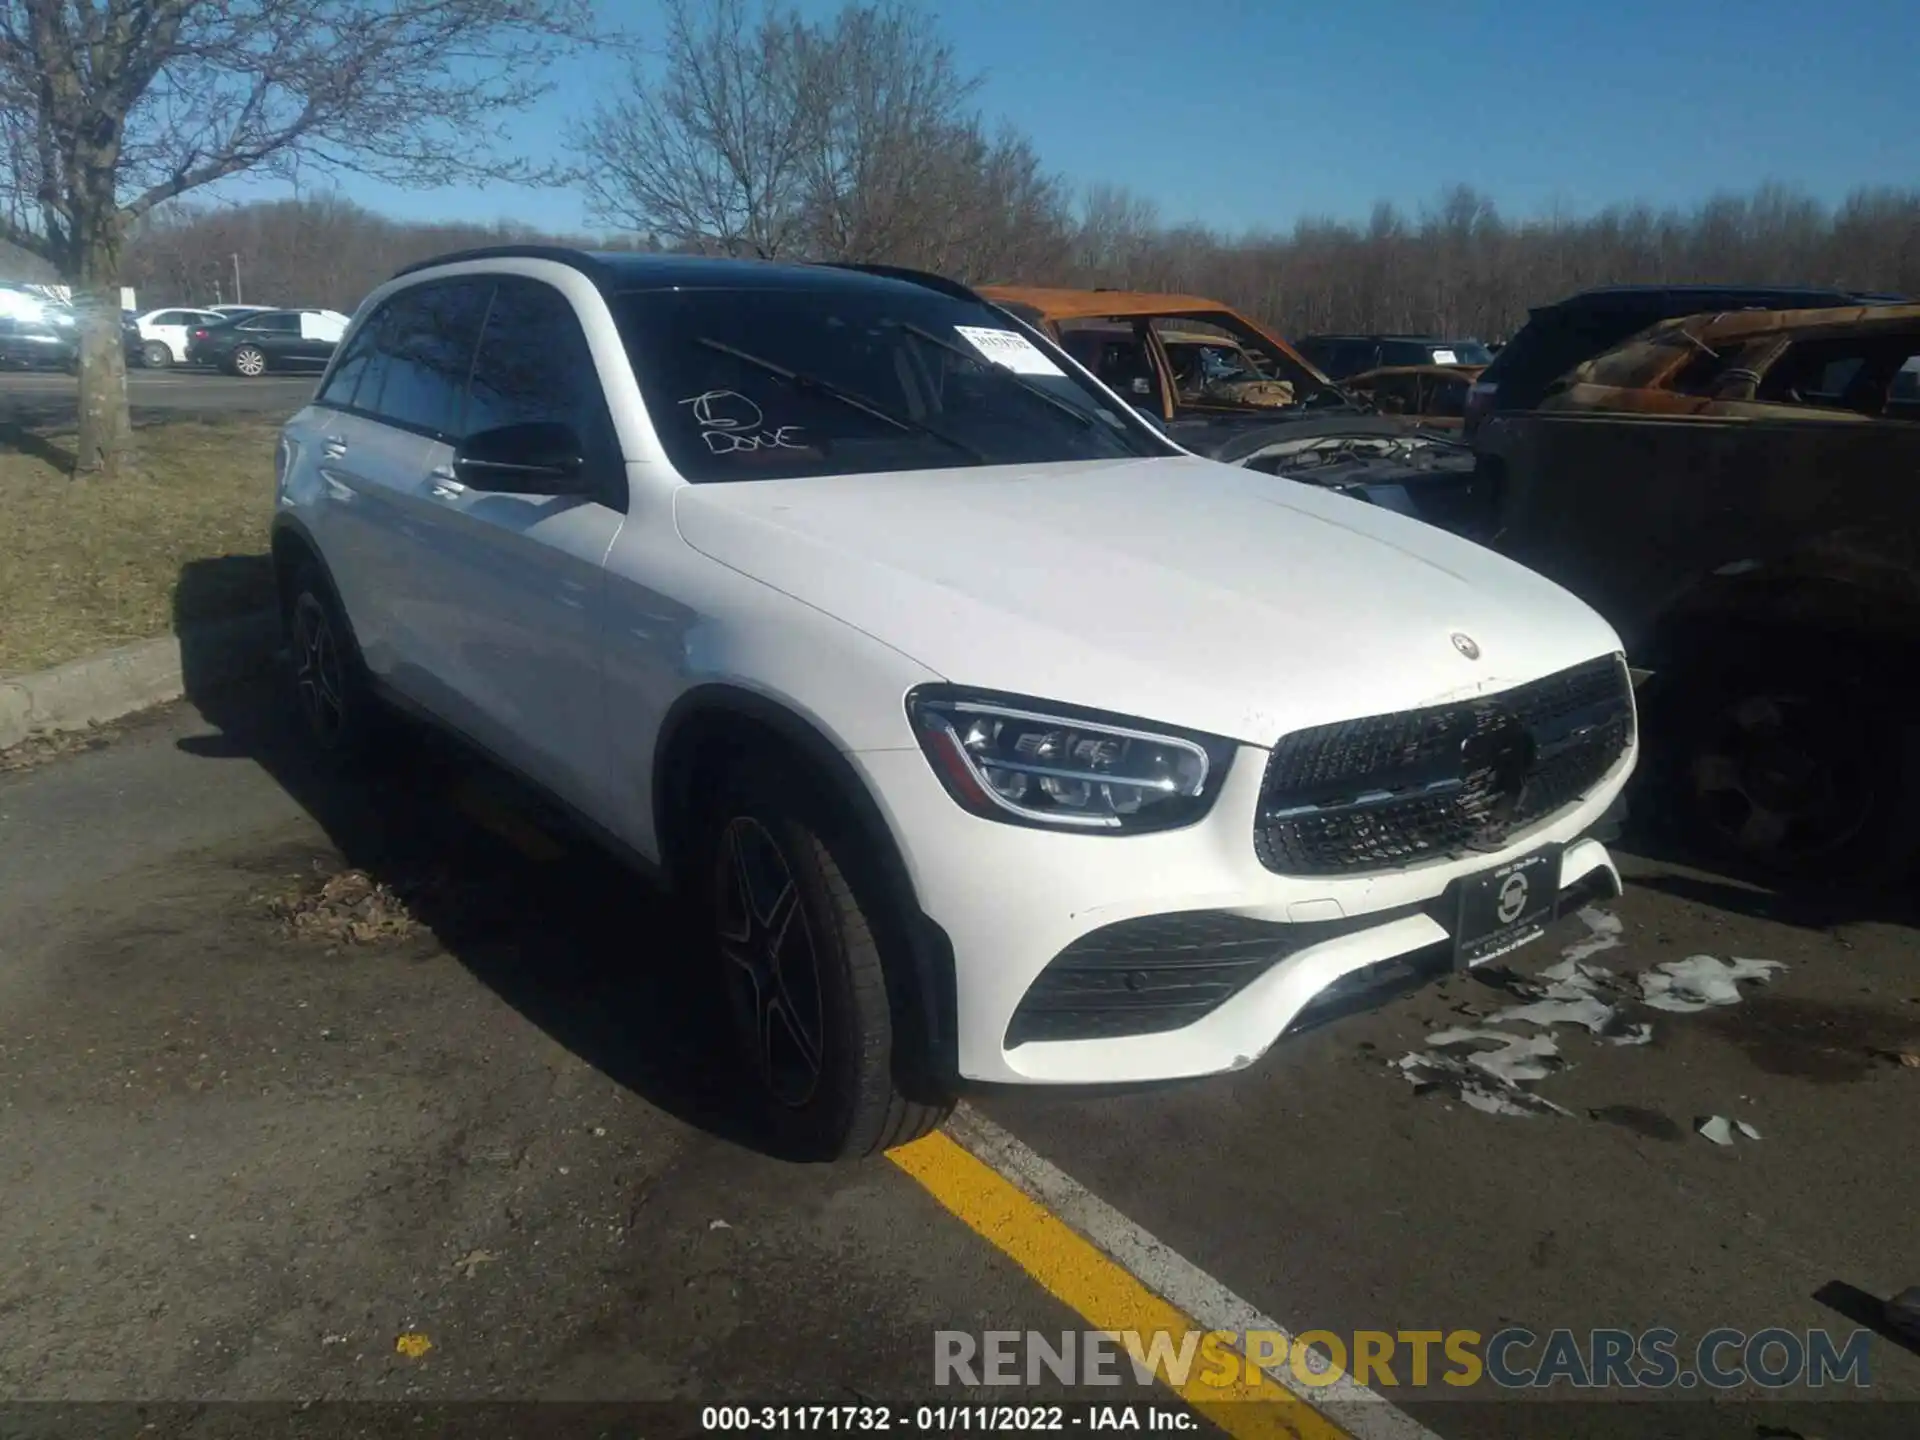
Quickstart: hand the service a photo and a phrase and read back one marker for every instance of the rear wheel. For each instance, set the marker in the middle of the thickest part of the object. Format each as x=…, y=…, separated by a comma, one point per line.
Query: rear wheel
x=155, y=355
x=805, y=980
x=249, y=362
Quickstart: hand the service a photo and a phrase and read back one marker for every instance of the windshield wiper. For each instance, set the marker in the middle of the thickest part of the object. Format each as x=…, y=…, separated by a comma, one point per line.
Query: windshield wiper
x=851, y=399
x=1065, y=407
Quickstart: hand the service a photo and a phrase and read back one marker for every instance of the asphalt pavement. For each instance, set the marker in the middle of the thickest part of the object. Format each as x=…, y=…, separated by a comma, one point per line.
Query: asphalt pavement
x=246, y=1157
x=42, y=397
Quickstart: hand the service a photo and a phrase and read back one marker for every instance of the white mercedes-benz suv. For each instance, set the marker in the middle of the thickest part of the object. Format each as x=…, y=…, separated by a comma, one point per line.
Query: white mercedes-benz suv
x=995, y=737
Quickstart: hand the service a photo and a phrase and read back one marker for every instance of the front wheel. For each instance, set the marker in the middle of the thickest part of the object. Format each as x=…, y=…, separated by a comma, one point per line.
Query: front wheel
x=806, y=984
x=249, y=362
x=1793, y=765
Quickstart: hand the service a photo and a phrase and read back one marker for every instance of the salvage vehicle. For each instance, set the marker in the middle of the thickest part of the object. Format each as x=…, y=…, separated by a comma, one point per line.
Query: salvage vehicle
x=988, y=735
x=1734, y=493
x=1559, y=336
x=1344, y=356
x=1285, y=417
x=1437, y=394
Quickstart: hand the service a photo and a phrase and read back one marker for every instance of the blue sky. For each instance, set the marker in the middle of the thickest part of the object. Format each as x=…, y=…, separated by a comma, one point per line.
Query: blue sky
x=1253, y=113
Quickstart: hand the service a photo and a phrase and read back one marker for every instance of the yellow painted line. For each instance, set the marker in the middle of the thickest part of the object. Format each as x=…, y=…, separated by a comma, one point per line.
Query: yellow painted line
x=1107, y=1296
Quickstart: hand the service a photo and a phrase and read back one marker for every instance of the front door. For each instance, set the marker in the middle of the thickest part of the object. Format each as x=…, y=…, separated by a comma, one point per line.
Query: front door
x=520, y=634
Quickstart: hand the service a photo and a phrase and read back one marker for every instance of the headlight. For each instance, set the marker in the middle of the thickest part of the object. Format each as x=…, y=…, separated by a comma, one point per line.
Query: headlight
x=1032, y=762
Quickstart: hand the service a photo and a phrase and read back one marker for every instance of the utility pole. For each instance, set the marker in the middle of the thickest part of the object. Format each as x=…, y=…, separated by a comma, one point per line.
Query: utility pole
x=236, y=277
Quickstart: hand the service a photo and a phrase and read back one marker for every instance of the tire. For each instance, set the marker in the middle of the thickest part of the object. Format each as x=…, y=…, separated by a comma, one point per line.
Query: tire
x=816, y=1045
x=155, y=355
x=339, y=712
x=248, y=362
x=1789, y=764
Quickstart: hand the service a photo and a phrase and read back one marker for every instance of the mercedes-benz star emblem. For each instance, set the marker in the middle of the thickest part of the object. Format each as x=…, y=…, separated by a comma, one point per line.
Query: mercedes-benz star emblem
x=1466, y=645
x=1512, y=901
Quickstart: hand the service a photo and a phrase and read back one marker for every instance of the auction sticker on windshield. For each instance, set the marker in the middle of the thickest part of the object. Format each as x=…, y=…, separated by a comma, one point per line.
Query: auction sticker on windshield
x=1009, y=348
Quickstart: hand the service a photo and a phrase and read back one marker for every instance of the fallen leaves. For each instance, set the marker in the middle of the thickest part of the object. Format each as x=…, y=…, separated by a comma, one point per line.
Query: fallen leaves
x=412, y=1344
x=350, y=908
x=472, y=1261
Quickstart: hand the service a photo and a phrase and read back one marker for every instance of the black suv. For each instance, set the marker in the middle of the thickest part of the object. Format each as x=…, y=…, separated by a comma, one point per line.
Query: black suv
x=1572, y=331
x=1338, y=356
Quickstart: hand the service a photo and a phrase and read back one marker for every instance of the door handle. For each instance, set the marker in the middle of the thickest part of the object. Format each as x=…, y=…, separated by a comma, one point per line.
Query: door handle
x=445, y=489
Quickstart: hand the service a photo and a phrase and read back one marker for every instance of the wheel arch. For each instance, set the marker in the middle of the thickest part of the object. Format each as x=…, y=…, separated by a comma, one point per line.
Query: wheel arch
x=1871, y=605
x=713, y=722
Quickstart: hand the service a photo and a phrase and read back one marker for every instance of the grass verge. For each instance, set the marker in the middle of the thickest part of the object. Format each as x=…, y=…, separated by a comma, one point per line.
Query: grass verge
x=88, y=564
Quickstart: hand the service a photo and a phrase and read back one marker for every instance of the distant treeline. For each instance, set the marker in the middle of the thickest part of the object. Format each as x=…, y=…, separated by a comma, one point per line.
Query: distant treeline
x=1456, y=268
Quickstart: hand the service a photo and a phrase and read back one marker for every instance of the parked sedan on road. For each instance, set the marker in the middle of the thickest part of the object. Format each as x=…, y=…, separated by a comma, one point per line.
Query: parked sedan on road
x=251, y=345
x=164, y=334
x=30, y=344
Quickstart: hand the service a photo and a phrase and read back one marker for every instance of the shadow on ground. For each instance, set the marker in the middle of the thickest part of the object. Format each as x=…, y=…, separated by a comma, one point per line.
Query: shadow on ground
x=578, y=944
x=21, y=437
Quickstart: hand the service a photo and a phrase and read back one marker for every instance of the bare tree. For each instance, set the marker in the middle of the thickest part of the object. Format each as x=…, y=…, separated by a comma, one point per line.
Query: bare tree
x=708, y=157
x=109, y=108
x=767, y=135
x=887, y=129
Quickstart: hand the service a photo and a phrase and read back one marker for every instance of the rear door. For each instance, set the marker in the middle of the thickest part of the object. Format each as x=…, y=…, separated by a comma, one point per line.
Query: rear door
x=522, y=574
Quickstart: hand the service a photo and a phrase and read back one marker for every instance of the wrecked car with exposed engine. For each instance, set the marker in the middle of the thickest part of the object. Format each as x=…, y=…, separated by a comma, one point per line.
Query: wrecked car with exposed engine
x=1735, y=492
x=1225, y=387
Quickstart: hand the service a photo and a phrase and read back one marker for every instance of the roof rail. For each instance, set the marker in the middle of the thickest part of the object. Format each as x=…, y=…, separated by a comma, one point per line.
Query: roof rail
x=924, y=278
x=580, y=260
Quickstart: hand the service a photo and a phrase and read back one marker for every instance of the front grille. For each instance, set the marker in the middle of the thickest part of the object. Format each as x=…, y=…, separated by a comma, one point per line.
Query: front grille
x=1391, y=790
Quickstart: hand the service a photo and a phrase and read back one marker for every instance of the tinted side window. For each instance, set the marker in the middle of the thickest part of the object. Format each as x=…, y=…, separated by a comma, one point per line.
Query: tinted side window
x=273, y=324
x=423, y=350
x=534, y=364
x=345, y=377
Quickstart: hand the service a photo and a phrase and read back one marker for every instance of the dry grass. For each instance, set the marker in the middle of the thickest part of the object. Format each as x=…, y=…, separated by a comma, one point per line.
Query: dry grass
x=89, y=564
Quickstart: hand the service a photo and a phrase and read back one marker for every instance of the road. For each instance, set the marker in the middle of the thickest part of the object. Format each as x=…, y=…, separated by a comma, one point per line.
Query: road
x=242, y=1160
x=45, y=398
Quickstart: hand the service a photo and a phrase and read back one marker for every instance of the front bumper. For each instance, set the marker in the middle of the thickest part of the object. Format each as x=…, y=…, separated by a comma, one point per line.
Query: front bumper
x=1012, y=900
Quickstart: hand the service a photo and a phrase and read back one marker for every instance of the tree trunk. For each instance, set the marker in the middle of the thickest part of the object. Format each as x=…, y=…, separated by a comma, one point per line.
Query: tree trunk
x=106, y=423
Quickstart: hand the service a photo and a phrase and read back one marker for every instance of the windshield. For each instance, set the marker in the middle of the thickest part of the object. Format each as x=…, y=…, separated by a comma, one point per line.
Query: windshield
x=1461, y=352
x=762, y=384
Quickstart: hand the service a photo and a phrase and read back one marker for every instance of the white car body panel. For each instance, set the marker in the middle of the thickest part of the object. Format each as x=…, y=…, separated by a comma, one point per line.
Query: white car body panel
x=561, y=633
x=174, y=335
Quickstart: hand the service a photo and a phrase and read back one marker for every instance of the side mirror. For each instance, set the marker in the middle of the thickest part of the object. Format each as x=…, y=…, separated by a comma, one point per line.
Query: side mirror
x=539, y=457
